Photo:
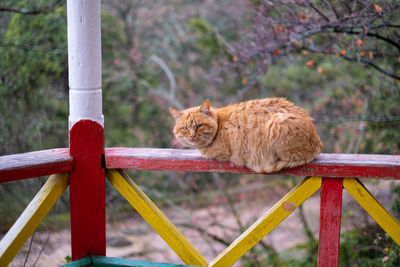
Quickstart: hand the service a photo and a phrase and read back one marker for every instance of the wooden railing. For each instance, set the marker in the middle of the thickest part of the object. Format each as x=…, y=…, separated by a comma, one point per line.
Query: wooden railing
x=329, y=172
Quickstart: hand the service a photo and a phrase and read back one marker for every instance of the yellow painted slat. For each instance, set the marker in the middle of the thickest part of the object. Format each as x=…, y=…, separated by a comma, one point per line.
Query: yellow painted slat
x=30, y=219
x=373, y=207
x=155, y=218
x=267, y=222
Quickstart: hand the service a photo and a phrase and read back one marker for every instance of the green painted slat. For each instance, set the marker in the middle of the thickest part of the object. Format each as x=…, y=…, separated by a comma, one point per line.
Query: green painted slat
x=100, y=261
x=114, y=262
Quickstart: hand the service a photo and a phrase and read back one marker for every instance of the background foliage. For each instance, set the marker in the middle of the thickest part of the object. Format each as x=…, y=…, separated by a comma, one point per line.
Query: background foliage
x=338, y=59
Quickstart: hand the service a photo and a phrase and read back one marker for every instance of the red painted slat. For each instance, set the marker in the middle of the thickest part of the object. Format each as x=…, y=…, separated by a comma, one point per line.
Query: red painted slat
x=326, y=165
x=87, y=190
x=329, y=222
x=34, y=164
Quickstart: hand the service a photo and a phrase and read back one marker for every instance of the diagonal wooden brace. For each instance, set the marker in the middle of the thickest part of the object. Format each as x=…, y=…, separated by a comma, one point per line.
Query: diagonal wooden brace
x=32, y=216
x=155, y=218
x=268, y=222
x=373, y=207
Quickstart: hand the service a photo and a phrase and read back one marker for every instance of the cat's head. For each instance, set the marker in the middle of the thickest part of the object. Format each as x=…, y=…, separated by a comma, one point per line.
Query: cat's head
x=195, y=127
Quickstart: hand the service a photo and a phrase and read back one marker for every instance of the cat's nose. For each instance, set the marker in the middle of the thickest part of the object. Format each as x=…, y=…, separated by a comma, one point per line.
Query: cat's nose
x=192, y=133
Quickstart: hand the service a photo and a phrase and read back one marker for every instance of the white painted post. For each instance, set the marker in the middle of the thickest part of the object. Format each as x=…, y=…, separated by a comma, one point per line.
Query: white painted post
x=84, y=61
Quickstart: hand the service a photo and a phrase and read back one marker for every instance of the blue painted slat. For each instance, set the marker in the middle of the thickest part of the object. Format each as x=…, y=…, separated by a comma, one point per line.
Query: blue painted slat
x=113, y=262
x=101, y=261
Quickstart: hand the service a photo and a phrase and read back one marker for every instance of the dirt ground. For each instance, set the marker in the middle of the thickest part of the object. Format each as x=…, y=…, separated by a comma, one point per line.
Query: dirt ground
x=133, y=238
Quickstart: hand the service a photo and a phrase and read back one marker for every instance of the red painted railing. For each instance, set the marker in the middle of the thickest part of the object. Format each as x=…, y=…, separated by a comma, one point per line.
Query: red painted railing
x=332, y=167
x=326, y=165
x=35, y=164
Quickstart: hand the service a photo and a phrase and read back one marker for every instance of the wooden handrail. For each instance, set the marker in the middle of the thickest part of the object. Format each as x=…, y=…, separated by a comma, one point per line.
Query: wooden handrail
x=46, y=162
x=34, y=164
x=326, y=165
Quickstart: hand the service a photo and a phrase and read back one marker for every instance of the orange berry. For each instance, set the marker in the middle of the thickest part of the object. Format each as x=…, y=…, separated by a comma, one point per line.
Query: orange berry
x=310, y=63
x=378, y=9
x=276, y=52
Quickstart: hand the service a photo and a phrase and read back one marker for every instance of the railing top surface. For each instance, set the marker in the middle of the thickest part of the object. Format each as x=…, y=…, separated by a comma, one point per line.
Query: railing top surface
x=327, y=165
x=45, y=162
x=34, y=164
x=192, y=154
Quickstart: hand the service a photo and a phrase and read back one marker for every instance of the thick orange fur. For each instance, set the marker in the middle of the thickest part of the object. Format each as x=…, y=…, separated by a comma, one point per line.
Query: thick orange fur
x=266, y=135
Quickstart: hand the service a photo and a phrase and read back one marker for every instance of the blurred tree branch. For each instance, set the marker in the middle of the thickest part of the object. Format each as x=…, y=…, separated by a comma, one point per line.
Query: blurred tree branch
x=36, y=11
x=358, y=59
x=363, y=32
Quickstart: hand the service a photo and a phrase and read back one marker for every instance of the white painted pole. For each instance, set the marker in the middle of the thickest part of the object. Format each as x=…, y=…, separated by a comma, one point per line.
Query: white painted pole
x=84, y=61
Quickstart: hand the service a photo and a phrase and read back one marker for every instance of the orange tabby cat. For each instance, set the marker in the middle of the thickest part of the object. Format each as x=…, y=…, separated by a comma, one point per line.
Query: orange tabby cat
x=266, y=135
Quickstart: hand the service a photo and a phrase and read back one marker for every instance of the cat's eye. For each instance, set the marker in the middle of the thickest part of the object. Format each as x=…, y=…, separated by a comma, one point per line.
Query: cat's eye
x=185, y=129
x=199, y=126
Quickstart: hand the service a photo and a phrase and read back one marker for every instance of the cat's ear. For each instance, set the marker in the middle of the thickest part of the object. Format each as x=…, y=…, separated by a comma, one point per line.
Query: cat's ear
x=175, y=113
x=205, y=107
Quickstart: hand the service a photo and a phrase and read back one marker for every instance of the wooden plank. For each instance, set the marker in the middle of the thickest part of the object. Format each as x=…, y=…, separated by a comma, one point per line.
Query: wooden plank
x=155, y=218
x=34, y=164
x=102, y=261
x=267, y=222
x=326, y=165
x=87, y=190
x=374, y=208
x=30, y=219
x=117, y=262
x=329, y=222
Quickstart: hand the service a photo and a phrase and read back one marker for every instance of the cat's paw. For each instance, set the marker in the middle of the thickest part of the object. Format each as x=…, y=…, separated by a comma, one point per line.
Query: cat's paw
x=265, y=169
x=177, y=144
x=256, y=169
